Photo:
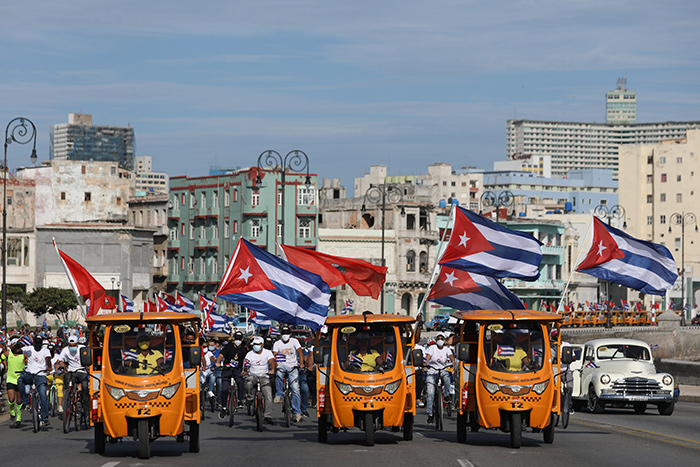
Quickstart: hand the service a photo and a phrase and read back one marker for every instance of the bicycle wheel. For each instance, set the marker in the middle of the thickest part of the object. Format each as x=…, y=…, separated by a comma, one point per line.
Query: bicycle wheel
x=35, y=412
x=259, y=410
x=202, y=404
x=438, y=408
x=231, y=407
x=66, y=411
x=53, y=400
x=77, y=410
x=287, y=408
x=565, y=409
x=448, y=404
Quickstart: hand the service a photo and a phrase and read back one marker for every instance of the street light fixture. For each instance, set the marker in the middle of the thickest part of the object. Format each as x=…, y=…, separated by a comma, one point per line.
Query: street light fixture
x=375, y=195
x=21, y=131
x=683, y=219
x=612, y=212
x=503, y=199
x=294, y=162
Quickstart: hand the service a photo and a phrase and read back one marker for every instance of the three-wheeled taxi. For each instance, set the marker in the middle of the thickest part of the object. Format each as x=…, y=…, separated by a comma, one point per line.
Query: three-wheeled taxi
x=365, y=374
x=509, y=372
x=145, y=377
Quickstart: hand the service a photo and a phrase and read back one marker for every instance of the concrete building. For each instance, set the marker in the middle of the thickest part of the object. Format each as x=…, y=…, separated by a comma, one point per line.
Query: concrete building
x=146, y=180
x=76, y=192
x=539, y=165
x=658, y=185
x=207, y=216
x=621, y=104
x=80, y=140
x=150, y=211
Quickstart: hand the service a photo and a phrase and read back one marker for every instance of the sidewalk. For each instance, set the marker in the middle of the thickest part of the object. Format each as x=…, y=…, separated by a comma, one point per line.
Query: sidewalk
x=689, y=393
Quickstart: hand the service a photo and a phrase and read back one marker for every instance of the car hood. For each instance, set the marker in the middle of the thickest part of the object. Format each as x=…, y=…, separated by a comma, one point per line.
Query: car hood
x=628, y=368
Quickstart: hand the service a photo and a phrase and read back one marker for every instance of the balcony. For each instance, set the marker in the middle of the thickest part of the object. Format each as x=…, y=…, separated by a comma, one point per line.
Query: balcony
x=552, y=250
x=543, y=284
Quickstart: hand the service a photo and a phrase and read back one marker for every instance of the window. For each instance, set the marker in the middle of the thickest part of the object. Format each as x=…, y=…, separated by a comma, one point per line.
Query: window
x=172, y=235
x=175, y=203
x=203, y=266
x=183, y=199
x=191, y=231
x=182, y=263
x=235, y=227
x=82, y=170
x=203, y=200
x=650, y=178
x=306, y=196
x=227, y=198
x=227, y=231
x=279, y=197
x=190, y=265
x=216, y=199
x=119, y=200
x=650, y=220
x=215, y=231
x=663, y=178
x=255, y=228
x=193, y=202
x=679, y=197
x=679, y=160
x=662, y=197
x=255, y=198
x=88, y=196
x=235, y=195
x=410, y=222
x=214, y=265
x=677, y=243
x=279, y=229
x=650, y=198
x=452, y=183
x=662, y=160
x=202, y=232
x=650, y=159
x=662, y=219
x=175, y=269
x=678, y=178
x=423, y=262
x=410, y=261
x=305, y=229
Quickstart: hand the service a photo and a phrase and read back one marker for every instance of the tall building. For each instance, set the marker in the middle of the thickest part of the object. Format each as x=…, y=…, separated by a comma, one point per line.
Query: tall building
x=621, y=104
x=80, y=140
x=148, y=181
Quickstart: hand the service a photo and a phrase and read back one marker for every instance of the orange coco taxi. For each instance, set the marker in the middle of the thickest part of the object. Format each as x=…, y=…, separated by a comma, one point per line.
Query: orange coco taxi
x=365, y=374
x=145, y=377
x=508, y=375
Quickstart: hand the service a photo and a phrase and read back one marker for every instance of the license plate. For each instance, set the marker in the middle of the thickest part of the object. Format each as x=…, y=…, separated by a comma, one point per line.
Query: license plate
x=637, y=398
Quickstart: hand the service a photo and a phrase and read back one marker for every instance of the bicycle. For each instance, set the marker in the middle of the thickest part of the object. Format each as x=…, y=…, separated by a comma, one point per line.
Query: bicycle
x=231, y=402
x=566, y=391
x=440, y=403
x=33, y=404
x=73, y=406
x=257, y=406
x=287, y=400
x=53, y=397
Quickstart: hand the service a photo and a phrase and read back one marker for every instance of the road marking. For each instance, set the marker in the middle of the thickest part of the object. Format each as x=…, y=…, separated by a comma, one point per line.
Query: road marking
x=110, y=464
x=465, y=463
x=689, y=443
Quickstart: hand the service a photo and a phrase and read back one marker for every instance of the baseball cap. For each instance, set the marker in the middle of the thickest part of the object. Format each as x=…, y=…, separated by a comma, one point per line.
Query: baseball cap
x=258, y=340
x=285, y=330
x=238, y=335
x=72, y=339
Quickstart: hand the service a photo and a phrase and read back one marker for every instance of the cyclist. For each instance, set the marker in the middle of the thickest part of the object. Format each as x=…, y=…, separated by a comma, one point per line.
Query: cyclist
x=38, y=365
x=57, y=375
x=258, y=365
x=76, y=373
x=15, y=366
x=290, y=358
x=438, y=358
x=232, y=357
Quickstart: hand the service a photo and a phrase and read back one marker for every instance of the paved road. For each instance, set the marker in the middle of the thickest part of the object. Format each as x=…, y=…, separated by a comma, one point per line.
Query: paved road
x=617, y=437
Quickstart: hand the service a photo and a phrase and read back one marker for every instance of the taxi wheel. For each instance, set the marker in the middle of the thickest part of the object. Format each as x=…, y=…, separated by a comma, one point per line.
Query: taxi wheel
x=144, y=441
x=194, y=437
x=408, y=427
x=461, y=427
x=666, y=408
x=100, y=438
x=323, y=428
x=594, y=404
x=548, y=432
x=516, y=430
x=369, y=429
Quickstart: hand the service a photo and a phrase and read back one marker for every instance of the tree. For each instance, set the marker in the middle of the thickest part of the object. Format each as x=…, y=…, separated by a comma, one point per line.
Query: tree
x=50, y=300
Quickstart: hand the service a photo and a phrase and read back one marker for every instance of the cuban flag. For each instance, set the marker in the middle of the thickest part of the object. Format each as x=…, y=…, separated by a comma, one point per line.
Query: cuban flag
x=246, y=364
x=280, y=358
x=206, y=304
x=505, y=351
x=127, y=305
x=481, y=246
x=274, y=332
x=591, y=364
x=617, y=257
x=24, y=341
x=625, y=305
x=186, y=305
x=355, y=360
x=164, y=305
x=286, y=293
x=217, y=322
x=259, y=319
x=129, y=355
x=537, y=353
x=348, y=306
x=168, y=355
x=463, y=290
x=389, y=358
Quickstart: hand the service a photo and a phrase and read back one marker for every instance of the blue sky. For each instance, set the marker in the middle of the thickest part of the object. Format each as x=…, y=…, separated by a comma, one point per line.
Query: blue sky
x=402, y=83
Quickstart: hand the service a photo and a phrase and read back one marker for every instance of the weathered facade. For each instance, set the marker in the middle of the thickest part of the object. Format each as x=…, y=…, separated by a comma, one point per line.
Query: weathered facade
x=151, y=211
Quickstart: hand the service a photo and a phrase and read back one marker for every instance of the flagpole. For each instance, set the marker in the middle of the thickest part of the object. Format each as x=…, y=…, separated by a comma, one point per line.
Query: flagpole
x=70, y=280
x=573, y=269
x=437, y=258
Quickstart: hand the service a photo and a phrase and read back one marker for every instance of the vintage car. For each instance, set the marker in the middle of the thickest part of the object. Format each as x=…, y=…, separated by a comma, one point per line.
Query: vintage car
x=620, y=373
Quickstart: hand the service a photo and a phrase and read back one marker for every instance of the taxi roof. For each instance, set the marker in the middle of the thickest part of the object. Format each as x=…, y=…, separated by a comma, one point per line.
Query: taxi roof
x=126, y=317
x=517, y=315
x=369, y=318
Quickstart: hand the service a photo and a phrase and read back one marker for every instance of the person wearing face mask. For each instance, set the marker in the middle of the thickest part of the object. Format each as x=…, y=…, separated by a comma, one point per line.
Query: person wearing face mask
x=290, y=358
x=148, y=360
x=438, y=357
x=259, y=364
x=37, y=366
x=230, y=360
x=75, y=372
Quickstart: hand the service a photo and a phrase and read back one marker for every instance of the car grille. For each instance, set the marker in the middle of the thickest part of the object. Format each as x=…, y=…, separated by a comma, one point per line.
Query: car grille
x=633, y=386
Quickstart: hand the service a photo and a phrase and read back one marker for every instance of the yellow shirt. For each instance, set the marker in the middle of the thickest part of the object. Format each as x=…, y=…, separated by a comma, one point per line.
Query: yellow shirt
x=369, y=360
x=147, y=363
x=513, y=362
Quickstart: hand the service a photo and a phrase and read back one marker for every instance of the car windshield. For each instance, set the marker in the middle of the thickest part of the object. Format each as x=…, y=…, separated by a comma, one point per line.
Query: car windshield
x=142, y=349
x=367, y=348
x=514, y=347
x=622, y=351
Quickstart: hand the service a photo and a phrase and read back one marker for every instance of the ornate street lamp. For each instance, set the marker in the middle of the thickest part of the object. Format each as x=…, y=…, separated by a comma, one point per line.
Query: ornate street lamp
x=683, y=219
x=612, y=212
x=375, y=195
x=21, y=131
x=503, y=199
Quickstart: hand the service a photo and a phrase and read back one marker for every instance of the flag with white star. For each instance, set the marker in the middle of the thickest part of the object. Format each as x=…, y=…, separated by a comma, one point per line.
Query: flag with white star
x=263, y=282
x=620, y=258
x=469, y=291
x=484, y=247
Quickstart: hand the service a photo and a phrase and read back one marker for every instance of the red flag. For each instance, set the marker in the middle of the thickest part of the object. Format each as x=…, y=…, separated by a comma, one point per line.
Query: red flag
x=149, y=306
x=363, y=277
x=84, y=285
x=451, y=282
x=110, y=303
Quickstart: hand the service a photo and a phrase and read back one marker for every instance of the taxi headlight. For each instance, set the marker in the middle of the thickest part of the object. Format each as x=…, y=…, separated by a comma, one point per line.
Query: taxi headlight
x=605, y=379
x=492, y=388
x=116, y=393
x=392, y=387
x=540, y=387
x=344, y=389
x=170, y=391
x=667, y=380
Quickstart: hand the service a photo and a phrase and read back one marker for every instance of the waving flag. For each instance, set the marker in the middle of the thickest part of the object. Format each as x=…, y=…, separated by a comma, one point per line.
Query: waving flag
x=168, y=355
x=83, y=284
x=481, y=246
x=24, y=341
x=617, y=257
x=206, y=304
x=273, y=332
x=164, y=305
x=625, y=305
x=220, y=323
x=468, y=291
x=127, y=305
x=129, y=355
x=259, y=319
x=364, y=278
x=348, y=306
x=149, y=306
x=186, y=305
x=505, y=351
x=259, y=280
x=355, y=360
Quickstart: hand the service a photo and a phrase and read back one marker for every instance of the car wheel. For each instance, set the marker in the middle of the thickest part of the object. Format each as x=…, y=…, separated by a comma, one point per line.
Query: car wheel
x=594, y=404
x=666, y=408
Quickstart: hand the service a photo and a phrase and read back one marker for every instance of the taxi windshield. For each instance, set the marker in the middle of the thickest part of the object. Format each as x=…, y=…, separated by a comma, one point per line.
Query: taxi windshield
x=514, y=347
x=142, y=349
x=367, y=348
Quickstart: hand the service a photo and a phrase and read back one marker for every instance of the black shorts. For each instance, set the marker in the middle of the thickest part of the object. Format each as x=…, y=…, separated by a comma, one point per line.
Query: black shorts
x=12, y=386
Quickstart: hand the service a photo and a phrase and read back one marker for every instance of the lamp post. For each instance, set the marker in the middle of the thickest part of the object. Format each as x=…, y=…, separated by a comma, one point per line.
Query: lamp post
x=295, y=161
x=612, y=212
x=503, y=199
x=377, y=194
x=683, y=219
x=21, y=131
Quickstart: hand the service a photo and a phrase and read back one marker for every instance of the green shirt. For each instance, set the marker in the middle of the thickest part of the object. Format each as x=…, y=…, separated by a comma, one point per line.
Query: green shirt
x=15, y=364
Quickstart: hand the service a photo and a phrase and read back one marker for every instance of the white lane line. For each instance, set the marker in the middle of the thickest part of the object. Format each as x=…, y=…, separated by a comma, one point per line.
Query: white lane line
x=465, y=463
x=110, y=464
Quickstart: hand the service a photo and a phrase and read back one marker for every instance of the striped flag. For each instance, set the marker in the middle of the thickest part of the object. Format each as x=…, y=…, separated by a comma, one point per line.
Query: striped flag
x=24, y=341
x=129, y=355
x=273, y=332
x=127, y=305
x=348, y=306
x=355, y=360
x=505, y=351
x=463, y=290
x=186, y=305
x=168, y=355
x=259, y=319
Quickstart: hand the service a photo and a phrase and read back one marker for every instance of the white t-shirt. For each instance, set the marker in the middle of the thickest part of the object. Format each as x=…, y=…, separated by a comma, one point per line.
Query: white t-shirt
x=73, y=360
x=36, y=361
x=439, y=357
x=259, y=362
x=288, y=351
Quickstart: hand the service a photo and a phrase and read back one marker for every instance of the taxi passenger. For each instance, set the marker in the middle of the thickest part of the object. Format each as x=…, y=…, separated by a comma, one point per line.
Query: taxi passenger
x=364, y=358
x=148, y=360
